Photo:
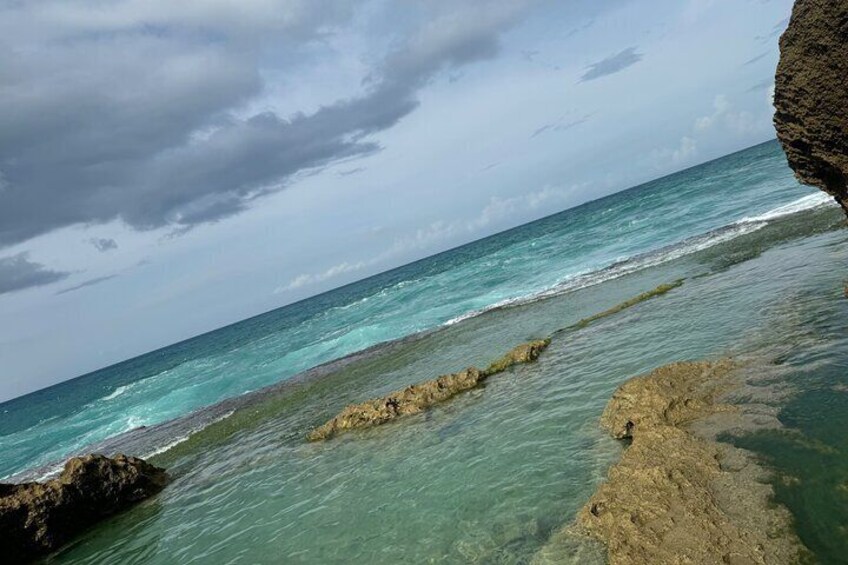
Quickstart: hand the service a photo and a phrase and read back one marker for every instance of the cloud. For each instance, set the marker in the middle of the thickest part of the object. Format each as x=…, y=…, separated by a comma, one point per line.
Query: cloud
x=103, y=244
x=18, y=273
x=740, y=122
x=612, y=64
x=685, y=152
x=721, y=106
x=309, y=279
x=498, y=213
x=349, y=172
x=723, y=123
x=688, y=148
x=91, y=282
x=137, y=105
x=561, y=125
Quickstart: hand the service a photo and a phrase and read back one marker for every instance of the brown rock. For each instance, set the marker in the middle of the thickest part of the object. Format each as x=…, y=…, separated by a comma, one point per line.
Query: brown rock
x=811, y=95
x=671, y=500
x=419, y=397
x=37, y=518
x=524, y=353
x=411, y=400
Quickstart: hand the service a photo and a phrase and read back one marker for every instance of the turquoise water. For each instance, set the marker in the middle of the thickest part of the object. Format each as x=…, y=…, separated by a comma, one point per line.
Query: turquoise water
x=553, y=255
x=491, y=476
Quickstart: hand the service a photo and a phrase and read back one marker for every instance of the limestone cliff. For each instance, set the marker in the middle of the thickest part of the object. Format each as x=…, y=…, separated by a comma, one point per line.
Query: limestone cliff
x=811, y=95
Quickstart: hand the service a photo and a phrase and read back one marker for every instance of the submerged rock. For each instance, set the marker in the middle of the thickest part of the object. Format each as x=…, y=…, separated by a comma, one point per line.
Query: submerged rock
x=658, y=291
x=676, y=497
x=419, y=397
x=37, y=518
x=811, y=95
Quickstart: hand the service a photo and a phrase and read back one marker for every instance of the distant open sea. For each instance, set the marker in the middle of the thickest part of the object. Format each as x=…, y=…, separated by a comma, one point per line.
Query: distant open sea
x=490, y=476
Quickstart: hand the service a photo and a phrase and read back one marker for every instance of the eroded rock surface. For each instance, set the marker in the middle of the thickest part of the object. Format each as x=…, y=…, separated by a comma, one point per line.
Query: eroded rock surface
x=37, y=518
x=811, y=95
x=675, y=497
x=419, y=397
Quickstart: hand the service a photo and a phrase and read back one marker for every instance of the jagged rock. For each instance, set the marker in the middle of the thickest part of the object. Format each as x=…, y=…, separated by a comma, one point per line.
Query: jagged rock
x=524, y=353
x=811, y=95
x=675, y=497
x=37, y=518
x=419, y=397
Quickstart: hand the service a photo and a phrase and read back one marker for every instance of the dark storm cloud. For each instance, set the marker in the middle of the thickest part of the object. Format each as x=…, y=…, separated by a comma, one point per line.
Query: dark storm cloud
x=126, y=112
x=612, y=64
x=18, y=273
x=91, y=282
x=103, y=244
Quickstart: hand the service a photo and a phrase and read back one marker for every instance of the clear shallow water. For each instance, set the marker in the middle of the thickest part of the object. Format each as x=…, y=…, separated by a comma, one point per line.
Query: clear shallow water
x=490, y=476
x=603, y=239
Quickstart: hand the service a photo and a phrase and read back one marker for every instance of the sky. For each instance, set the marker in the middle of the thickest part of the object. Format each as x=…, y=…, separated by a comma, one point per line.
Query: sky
x=167, y=168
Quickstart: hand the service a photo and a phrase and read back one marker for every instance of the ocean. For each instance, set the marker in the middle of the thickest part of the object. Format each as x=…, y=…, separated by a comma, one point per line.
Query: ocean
x=491, y=476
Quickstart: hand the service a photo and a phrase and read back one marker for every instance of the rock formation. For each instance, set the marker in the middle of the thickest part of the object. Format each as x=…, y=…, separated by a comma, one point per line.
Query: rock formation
x=678, y=498
x=37, y=518
x=419, y=397
x=811, y=95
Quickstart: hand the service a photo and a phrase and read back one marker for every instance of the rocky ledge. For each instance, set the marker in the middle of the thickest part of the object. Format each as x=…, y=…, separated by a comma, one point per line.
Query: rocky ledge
x=37, y=518
x=677, y=497
x=811, y=95
x=419, y=397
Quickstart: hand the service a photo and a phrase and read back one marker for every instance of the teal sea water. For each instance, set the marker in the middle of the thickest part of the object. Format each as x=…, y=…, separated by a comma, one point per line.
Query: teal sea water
x=493, y=475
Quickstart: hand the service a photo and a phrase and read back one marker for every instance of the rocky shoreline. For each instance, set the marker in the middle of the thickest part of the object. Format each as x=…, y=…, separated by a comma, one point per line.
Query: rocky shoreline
x=38, y=518
x=419, y=397
x=677, y=495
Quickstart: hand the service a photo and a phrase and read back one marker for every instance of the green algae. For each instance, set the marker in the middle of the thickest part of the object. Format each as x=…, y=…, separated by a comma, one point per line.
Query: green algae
x=524, y=353
x=422, y=396
x=245, y=418
x=658, y=291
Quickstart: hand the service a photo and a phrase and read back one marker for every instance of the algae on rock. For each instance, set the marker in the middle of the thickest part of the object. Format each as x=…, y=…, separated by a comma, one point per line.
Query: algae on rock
x=37, y=518
x=419, y=397
x=675, y=497
x=658, y=291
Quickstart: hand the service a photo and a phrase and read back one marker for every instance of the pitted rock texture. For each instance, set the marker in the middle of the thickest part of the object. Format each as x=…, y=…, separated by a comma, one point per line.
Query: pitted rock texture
x=419, y=397
x=676, y=498
x=37, y=518
x=811, y=95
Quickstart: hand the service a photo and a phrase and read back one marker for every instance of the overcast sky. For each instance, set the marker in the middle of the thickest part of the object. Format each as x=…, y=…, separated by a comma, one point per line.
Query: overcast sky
x=170, y=167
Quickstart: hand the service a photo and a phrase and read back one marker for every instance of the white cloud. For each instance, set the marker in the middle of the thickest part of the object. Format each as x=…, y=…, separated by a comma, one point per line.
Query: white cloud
x=499, y=213
x=688, y=149
x=721, y=107
x=683, y=153
x=310, y=279
x=723, y=123
x=740, y=123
